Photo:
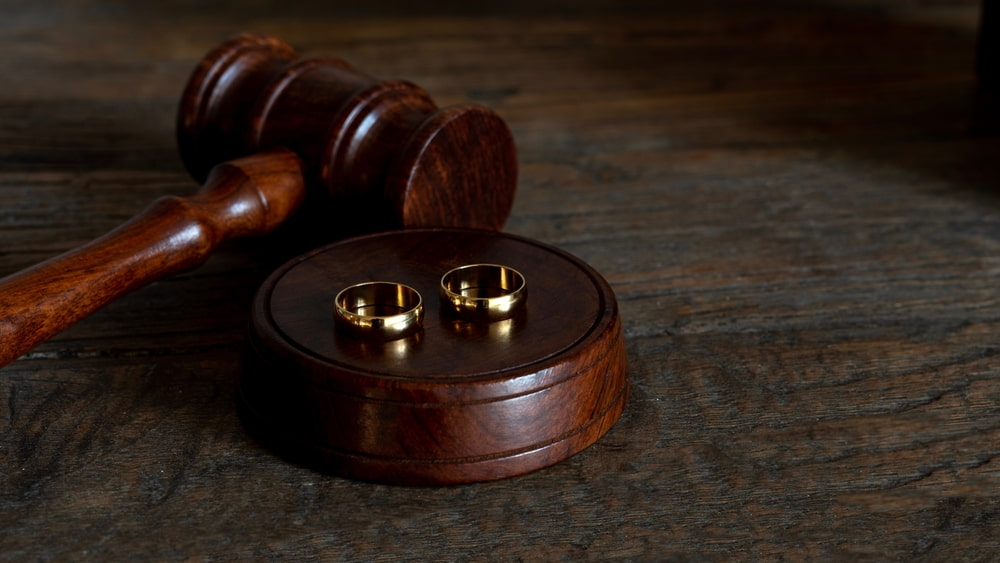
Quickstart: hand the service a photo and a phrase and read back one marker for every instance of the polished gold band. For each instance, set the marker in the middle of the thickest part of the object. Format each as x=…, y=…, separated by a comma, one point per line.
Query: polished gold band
x=379, y=310
x=483, y=292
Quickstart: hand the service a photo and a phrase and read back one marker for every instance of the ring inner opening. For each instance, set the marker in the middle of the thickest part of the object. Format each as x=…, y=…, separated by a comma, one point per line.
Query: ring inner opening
x=379, y=299
x=483, y=281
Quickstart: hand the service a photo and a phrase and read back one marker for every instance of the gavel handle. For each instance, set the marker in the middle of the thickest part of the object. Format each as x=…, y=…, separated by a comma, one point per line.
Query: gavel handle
x=243, y=197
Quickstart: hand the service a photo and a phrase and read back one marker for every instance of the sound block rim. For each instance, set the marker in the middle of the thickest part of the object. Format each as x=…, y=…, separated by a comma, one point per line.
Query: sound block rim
x=409, y=472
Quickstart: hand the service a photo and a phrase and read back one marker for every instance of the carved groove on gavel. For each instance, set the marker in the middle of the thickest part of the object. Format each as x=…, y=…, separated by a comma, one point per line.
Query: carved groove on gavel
x=382, y=150
x=381, y=147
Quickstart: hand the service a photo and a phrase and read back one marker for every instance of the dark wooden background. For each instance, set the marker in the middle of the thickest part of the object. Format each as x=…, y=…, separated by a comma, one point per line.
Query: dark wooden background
x=796, y=202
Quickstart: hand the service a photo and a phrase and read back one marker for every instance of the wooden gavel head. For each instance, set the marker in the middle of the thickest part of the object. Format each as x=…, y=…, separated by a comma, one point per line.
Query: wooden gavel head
x=381, y=149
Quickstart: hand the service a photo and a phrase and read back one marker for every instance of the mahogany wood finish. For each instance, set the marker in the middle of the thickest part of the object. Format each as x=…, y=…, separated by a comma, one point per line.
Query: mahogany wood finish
x=458, y=402
x=801, y=232
x=383, y=151
x=243, y=197
x=386, y=154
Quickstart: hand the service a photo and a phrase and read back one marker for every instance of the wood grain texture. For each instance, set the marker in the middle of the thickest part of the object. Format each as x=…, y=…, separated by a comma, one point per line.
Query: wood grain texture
x=379, y=154
x=458, y=402
x=244, y=197
x=786, y=198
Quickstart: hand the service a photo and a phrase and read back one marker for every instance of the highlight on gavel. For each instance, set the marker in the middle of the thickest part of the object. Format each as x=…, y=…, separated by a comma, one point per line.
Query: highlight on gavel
x=260, y=127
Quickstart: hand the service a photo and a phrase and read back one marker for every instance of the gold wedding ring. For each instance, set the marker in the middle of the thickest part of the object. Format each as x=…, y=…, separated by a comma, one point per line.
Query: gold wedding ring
x=483, y=292
x=379, y=310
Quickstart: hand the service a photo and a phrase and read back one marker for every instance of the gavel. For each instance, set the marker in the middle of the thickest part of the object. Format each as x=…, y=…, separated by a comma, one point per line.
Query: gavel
x=264, y=130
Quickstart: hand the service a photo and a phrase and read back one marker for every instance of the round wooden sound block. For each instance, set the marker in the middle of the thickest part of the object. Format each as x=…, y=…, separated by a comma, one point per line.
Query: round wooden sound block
x=459, y=400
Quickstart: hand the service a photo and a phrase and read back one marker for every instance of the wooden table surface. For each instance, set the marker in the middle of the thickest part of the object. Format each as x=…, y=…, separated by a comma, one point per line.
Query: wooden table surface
x=795, y=202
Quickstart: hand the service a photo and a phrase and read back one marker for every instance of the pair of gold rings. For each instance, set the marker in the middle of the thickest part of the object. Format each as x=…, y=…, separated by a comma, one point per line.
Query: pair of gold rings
x=388, y=310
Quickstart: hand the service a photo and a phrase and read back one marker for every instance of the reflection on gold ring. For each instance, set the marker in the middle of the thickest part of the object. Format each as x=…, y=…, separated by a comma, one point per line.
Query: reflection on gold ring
x=379, y=310
x=483, y=292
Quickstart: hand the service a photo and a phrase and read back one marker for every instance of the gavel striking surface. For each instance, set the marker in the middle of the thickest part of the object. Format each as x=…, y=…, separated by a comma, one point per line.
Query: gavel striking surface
x=459, y=402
